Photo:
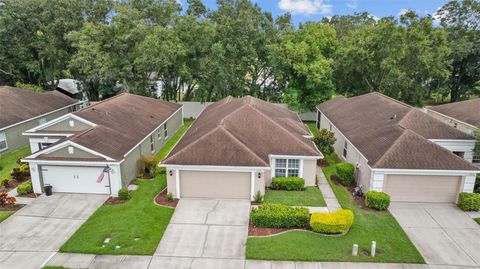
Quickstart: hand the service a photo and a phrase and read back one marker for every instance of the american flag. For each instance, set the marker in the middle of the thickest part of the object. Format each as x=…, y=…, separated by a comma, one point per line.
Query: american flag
x=102, y=175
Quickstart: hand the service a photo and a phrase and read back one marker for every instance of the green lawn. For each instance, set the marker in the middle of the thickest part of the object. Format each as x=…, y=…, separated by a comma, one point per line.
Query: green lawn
x=477, y=220
x=169, y=145
x=137, y=226
x=312, y=125
x=9, y=160
x=369, y=226
x=5, y=214
x=311, y=196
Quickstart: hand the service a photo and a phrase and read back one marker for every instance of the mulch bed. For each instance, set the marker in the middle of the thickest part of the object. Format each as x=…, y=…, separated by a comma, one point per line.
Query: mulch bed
x=322, y=163
x=161, y=199
x=30, y=195
x=255, y=231
x=115, y=201
x=11, y=207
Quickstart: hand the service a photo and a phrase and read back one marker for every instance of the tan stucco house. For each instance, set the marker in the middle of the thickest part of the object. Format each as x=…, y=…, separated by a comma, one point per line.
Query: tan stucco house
x=21, y=110
x=97, y=149
x=464, y=116
x=236, y=146
x=398, y=149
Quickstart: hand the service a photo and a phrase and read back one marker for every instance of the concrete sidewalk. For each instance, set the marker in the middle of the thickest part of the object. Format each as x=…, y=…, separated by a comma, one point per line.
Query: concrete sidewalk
x=327, y=192
x=155, y=262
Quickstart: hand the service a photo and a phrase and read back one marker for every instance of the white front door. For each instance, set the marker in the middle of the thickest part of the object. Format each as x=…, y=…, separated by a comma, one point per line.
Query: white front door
x=76, y=179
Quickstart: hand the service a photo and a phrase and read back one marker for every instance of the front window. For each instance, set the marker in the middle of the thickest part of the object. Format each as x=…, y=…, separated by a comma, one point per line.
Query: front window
x=3, y=141
x=319, y=119
x=72, y=108
x=345, y=149
x=287, y=167
x=159, y=133
x=152, y=144
x=43, y=145
x=166, y=131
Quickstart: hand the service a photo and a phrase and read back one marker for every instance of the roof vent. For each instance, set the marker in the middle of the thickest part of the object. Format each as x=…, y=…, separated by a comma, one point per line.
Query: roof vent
x=394, y=116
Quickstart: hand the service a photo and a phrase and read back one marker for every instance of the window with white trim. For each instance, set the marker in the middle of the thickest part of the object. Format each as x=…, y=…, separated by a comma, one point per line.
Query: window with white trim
x=165, y=129
x=3, y=141
x=287, y=167
x=43, y=145
x=476, y=154
x=152, y=144
x=159, y=133
x=319, y=119
x=345, y=149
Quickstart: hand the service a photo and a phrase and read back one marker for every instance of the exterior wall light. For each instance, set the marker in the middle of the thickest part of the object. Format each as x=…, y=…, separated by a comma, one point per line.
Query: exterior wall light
x=170, y=173
x=259, y=175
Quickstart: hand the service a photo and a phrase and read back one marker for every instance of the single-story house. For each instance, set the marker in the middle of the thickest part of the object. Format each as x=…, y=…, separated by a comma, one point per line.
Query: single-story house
x=398, y=149
x=236, y=146
x=21, y=110
x=464, y=116
x=98, y=148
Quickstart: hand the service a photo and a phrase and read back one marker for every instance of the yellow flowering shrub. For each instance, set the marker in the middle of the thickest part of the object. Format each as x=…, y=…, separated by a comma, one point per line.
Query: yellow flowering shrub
x=332, y=223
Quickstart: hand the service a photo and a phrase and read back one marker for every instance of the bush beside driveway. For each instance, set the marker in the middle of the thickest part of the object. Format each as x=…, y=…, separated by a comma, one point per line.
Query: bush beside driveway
x=369, y=225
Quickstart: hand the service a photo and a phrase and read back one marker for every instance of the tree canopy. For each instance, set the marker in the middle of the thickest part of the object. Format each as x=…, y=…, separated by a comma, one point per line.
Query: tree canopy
x=238, y=49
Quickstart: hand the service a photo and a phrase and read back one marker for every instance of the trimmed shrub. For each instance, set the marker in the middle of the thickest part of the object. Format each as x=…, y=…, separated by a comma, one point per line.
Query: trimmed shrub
x=469, y=201
x=123, y=194
x=288, y=183
x=5, y=199
x=377, y=200
x=25, y=188
x=346, y=173
x=279, y=216
x=324, y=139
x=258, y=197
x=5, y=183
x=169, y=197
x=332, y=223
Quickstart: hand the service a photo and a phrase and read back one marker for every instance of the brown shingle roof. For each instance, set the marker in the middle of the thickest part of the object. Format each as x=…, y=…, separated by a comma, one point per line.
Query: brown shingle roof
x=17, y=105
x=122, y=122
x=377, y=126
x=467, y=111
x=242, y=132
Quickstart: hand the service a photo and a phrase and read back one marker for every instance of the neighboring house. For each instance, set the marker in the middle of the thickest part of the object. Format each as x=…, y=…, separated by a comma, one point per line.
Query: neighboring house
x=398, y=149
x=98, y=149
x=464, y=115
x=21, y=110
x=235, y=148
x=70, y=87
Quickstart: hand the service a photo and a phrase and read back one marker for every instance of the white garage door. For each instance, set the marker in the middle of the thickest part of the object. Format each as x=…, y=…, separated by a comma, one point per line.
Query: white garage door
x=413, y=188
x=75, y=179
x=228, y=185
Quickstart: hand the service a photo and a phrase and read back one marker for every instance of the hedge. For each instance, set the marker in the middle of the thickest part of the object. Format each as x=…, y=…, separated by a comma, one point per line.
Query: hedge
x=288, y=183
x=25, y=188
x=332, y=223
x=346, y=173
x=123, y=194
x=279, y=216
x=469, y=201
x=377, y=200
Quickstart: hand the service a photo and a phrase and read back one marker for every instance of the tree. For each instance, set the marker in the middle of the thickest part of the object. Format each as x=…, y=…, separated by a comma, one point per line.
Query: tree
x=461, y=19
x=324, y=139
x=308, y=53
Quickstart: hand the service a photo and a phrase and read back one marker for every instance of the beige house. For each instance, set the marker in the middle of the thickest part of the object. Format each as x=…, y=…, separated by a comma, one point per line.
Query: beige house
x=464, y=116
x=21, y=110
x=97, y=149
x=236, y=146
x=399, y=149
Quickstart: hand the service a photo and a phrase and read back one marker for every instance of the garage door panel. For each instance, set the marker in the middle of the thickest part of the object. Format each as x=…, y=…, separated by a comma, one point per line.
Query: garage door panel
x=415, y=188
x=228, y=185
x=75, y=179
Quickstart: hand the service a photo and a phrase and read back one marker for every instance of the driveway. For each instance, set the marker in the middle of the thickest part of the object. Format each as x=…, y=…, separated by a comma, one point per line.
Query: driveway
x=203, y=228
x=35, y=232
x=442, y=233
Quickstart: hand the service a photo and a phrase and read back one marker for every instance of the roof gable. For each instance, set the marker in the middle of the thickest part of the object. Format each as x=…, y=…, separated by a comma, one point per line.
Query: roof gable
x=467, y=111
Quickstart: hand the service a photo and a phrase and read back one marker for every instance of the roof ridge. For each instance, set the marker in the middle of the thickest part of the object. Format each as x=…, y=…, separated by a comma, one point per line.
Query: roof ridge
x=191, y=144
x=242, y=144
x=281, y=127
x=392, y=99
x=102, y=101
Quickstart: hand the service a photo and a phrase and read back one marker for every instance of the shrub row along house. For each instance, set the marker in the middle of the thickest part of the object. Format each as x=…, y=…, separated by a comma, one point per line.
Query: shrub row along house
x=98, y=149
x=399, y=149
x=21, y=110
x=235, y=148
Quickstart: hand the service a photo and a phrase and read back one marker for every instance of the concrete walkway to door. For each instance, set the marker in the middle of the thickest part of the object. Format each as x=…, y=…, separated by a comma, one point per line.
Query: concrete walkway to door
x=35, y=232
x=444, y=235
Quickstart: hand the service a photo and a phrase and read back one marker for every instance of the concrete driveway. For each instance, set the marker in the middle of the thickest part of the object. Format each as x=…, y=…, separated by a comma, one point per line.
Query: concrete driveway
x=442, y=233
x=35, y=232
x=203, y=228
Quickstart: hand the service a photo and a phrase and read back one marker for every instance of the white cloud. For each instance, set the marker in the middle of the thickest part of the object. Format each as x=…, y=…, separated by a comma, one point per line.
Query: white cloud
x=352, y=4
x=305, y=6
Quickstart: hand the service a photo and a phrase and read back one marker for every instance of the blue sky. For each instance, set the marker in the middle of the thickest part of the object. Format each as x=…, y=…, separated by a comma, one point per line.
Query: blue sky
x=315, y=10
